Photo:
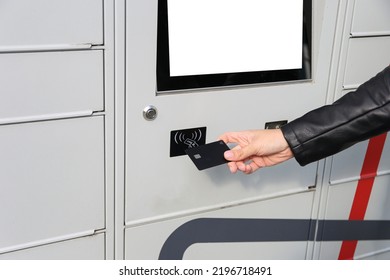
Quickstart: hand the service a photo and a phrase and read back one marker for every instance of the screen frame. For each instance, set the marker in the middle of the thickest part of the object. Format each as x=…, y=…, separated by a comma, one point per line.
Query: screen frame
x=167, y=83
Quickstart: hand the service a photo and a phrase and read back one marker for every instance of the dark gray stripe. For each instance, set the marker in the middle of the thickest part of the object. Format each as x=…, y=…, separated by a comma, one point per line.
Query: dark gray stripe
x=339, y=230
x=210, y=230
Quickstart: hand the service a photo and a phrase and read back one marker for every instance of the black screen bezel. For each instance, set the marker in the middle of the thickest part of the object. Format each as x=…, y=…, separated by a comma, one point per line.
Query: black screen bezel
x=167, y=83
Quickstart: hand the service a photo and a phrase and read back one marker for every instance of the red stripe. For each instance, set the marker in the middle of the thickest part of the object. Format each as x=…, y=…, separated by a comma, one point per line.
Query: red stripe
x=363, y=190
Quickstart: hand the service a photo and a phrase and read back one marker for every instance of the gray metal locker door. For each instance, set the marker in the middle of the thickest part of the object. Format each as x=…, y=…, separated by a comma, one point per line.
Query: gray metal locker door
x=35, y=24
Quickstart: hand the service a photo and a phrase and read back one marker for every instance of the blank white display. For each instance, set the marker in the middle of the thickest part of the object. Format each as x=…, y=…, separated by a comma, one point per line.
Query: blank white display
x=233, y=36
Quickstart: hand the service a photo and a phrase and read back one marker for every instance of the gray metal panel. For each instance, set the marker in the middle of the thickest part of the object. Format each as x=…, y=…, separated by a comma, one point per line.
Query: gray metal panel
x=384, y=165
x=142, y=242
x=36, y=84
x=347, y=165
x=159, y=186
x=50, y=22
x=369, y=250
x=247, y=251
x=371, y=17
x=85, y=248
x=51, y=181
x=379, y=200
x=339, y=204
x=366, y=57
x=361, y=51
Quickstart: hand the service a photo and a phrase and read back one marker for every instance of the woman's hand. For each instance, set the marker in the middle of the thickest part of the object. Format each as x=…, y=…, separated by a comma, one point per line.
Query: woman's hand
x=256, y=149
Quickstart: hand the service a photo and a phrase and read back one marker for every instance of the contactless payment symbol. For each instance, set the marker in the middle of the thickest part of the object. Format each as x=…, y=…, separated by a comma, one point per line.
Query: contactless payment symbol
x=184, y=139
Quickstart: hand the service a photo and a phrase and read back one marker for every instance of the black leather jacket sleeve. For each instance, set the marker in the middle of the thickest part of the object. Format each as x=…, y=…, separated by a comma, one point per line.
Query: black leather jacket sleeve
x=355, y=117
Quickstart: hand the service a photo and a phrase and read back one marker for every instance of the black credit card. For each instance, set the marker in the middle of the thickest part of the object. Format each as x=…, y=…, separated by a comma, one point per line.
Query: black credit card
x=209, y=155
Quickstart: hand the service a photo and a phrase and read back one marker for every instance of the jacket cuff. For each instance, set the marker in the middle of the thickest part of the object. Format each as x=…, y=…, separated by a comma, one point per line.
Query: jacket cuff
x=293, y=142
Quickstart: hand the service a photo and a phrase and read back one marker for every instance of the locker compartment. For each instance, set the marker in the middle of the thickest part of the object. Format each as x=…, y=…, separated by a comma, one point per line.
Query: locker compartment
x=339, y=204
x=37, y=84
x=366, y=57
x=371, y=17
x=50, y=22
x=147, y=199
x=51, y=180
x=373, y=250
x=85, y=248
x=250, y=250
x=347, y=165
x=141, y=242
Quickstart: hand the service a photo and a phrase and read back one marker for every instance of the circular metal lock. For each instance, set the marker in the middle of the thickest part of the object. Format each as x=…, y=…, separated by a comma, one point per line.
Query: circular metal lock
x=150, y=113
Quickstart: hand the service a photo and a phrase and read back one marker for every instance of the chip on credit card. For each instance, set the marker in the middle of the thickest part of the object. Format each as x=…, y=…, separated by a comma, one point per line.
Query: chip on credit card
x=208, y=155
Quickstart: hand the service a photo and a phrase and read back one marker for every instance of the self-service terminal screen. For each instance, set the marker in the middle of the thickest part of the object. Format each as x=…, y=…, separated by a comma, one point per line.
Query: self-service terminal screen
x=217, y=43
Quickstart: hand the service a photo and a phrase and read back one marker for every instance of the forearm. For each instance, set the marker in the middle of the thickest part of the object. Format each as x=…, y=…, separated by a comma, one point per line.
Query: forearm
x=355, y=117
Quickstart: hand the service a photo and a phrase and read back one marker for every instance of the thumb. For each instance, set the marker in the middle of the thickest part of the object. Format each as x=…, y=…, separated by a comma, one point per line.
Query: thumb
x=239, y=154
